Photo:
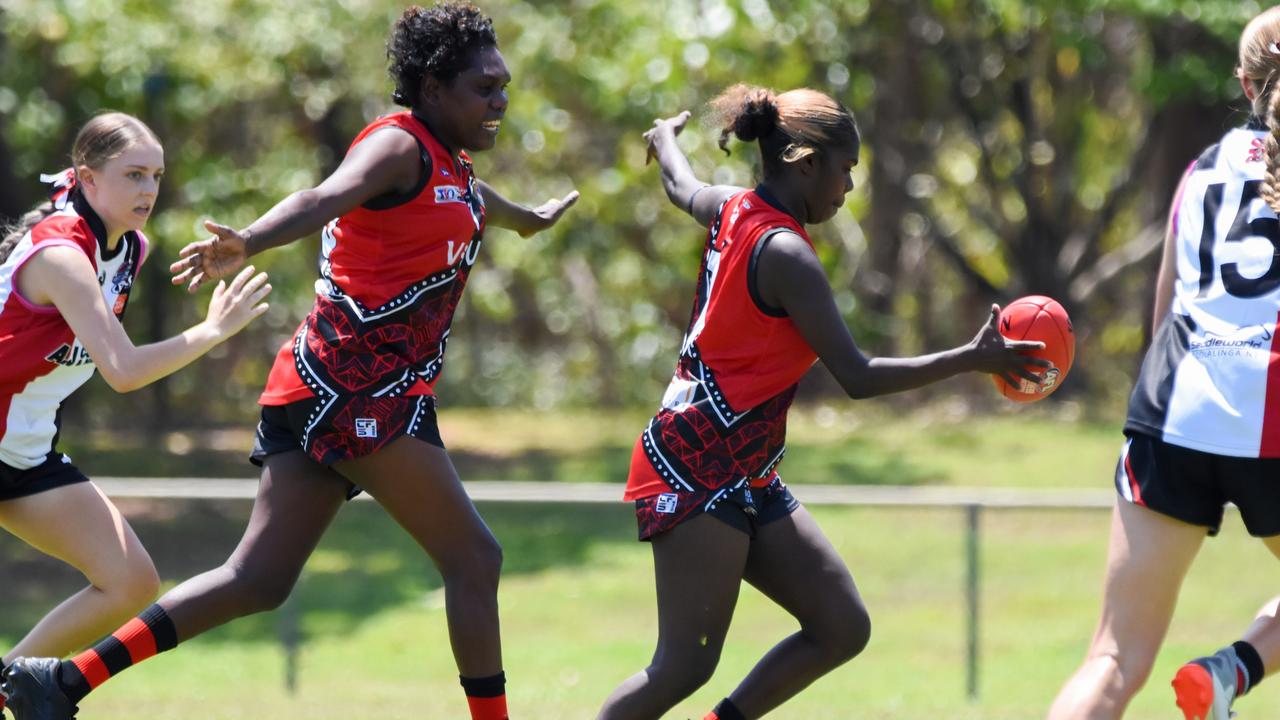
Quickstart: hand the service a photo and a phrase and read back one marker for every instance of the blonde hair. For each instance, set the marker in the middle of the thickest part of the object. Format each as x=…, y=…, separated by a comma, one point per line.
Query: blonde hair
x=105, y=137
x=789, y=126
x=1260, y=66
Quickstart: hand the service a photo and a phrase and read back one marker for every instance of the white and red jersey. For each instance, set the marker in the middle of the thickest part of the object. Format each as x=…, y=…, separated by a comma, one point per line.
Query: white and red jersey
x=723, y=420
x=41, y=362
x=391, y=275
x=1211, y=379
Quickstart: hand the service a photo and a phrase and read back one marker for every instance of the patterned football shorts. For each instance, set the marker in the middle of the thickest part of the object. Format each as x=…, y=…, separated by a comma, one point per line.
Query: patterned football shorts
x=359, y=426
x=742, y=506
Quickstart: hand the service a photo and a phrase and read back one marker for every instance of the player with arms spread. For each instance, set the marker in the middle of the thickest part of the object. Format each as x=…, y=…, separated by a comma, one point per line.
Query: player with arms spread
x=349, y=404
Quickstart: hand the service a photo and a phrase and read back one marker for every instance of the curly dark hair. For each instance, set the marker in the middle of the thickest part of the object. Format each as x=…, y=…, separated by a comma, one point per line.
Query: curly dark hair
x=437, y=42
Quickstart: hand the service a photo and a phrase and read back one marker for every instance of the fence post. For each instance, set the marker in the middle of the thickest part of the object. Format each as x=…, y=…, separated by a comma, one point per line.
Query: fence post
x=972, y=513
x=291, y=639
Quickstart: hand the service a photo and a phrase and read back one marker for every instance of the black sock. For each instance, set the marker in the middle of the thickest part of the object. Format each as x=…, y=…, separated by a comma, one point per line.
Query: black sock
x=726, y=710
x=1252, y=664
x=491, y=686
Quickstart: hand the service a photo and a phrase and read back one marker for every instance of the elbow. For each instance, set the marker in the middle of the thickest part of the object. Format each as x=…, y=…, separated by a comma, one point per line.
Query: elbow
x=859, y=392
x=119, y=380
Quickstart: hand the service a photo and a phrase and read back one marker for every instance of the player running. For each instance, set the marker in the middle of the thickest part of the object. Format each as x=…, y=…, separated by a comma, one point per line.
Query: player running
x=66, y=272
x=704, y=473
x=349, y=404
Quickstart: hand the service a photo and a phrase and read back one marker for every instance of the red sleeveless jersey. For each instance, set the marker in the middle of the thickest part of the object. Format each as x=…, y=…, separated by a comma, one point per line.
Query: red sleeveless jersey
x=41, y=361
x=390, y=280
x=723, y=419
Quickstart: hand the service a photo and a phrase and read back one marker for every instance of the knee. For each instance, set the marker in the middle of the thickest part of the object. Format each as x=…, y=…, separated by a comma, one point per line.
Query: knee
x=137, y=586
x=260, y=591
x=681, y=674
x=846, y=635
x=478, y=566
x=1121, y=674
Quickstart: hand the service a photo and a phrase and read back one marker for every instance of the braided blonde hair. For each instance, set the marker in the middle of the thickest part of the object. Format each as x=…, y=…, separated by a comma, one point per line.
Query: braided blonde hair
x=1260, y=66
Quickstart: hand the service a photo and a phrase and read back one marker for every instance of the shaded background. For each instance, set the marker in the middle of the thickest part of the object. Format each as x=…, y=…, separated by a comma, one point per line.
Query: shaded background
x=1010, y=148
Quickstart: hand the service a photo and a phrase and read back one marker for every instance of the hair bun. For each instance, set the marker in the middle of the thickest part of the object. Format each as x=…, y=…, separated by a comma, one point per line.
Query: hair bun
x=759, y=115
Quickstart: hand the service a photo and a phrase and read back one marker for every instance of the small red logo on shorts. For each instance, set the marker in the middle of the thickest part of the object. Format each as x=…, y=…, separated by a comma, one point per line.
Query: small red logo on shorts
x=366, y=427
x=666, y=503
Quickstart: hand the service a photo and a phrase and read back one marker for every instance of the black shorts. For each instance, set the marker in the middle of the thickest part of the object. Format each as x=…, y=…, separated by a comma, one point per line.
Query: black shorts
x=1194, y=486
x=55, y=472
x=346, y=429
x=743, y=507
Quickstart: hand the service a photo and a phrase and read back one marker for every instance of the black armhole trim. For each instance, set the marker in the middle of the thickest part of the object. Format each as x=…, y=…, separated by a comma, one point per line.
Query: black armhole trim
x=386, y=201
x=752, y=287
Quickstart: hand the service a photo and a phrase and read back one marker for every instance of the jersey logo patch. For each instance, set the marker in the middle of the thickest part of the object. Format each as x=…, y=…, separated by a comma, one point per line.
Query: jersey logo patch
x=366, y=427
x=69, y=356
x=1257, y=151
x=666, y=503
x=449, y=194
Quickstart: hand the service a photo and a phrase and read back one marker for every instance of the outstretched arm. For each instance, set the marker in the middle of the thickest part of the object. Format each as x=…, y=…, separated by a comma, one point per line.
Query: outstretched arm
x=526, y=221
x=790, y=276
x=387, y=161
x=63, y=277
x=687, y=192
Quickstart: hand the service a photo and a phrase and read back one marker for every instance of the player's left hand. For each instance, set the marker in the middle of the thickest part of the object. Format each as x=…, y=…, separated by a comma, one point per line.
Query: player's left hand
x=548, y=213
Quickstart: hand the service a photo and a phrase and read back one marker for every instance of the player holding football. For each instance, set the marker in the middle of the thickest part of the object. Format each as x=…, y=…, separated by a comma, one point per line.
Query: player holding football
x=1204, y=419
x=704, y=473
x=349, y=404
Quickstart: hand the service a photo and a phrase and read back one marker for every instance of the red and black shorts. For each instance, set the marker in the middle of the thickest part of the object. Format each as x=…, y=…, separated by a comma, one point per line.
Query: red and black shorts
x=56, y=471
x=1194, y=486
x=741, y=506
x=344, y=428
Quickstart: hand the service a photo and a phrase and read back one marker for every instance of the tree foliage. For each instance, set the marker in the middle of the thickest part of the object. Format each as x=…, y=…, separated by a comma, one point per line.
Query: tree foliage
x=1011, y=147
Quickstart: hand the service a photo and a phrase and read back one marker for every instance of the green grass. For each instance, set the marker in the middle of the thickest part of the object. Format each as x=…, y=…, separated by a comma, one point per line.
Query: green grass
x=578, y=616
x=577, y=596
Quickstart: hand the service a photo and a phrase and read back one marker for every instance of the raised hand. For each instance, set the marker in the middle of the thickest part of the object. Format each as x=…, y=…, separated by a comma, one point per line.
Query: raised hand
x=660, y=126
x=233, y=306
x=216, y=257
x=548, y=213
x=993, y=353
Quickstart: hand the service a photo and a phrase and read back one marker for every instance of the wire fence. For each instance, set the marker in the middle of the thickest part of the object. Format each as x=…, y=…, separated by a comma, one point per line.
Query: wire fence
x=972, y=502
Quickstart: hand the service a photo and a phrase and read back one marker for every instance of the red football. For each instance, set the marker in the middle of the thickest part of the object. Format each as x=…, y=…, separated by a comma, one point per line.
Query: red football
x=1043, y=319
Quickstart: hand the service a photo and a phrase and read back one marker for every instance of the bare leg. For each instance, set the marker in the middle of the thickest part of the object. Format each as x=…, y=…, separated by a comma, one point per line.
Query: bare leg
x=698, y=567
x=416, y=483
x=794, y=564
x=1147, y=560
x=1264, y=635
x=297, y=500
x=80, y=526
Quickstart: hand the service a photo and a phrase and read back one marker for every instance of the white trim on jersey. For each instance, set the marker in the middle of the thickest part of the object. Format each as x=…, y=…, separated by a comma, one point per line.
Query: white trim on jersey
x=1204, y=383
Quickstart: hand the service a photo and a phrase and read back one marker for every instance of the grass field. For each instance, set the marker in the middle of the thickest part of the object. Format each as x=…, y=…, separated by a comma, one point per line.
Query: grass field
x=578, y=607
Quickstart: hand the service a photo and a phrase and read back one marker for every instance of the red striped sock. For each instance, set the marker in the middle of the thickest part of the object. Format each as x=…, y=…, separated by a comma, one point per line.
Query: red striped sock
x=142, y=637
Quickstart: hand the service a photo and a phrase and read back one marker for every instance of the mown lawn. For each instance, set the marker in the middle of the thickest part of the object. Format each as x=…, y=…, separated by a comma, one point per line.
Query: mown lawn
x=577, y=597
x=578, y=614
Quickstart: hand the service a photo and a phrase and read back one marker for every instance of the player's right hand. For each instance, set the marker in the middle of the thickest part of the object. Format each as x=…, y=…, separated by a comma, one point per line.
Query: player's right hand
x=672, y=124
x=234, y=306
x=993, y=353
x=216, y=257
